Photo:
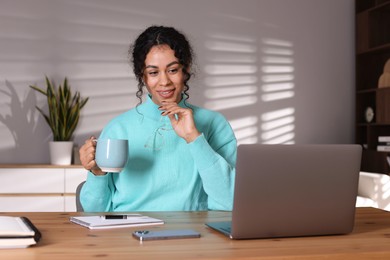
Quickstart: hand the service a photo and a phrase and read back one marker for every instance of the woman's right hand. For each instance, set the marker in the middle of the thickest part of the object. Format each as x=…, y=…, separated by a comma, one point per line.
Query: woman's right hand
x=87, y=156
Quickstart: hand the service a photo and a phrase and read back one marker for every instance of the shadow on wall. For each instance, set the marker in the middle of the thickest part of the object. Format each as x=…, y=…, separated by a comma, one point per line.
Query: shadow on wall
x=85, y=42
x=253, y=79
x=27, y=132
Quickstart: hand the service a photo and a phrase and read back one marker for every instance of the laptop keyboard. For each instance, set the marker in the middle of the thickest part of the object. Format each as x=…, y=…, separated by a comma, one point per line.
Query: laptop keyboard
x=226, y=229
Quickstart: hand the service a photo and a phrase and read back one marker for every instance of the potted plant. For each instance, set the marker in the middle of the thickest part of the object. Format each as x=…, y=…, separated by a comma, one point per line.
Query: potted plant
x=63, y=117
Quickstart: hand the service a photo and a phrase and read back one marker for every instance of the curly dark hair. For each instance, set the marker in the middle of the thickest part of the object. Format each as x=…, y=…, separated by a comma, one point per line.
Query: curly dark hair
x=160, y=35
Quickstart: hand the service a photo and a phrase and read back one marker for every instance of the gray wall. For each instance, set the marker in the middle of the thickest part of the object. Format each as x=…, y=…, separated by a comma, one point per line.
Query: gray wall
x=281, y=71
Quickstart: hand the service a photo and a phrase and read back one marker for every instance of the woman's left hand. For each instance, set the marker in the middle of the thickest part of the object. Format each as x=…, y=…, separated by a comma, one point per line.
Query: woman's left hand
x=182, y=120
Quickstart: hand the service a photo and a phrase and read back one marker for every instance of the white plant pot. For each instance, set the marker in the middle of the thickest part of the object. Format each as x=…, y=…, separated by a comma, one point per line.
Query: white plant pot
x=61, y=152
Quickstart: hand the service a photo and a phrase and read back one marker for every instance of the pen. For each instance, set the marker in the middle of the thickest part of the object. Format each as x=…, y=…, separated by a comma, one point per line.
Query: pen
x=115, y=216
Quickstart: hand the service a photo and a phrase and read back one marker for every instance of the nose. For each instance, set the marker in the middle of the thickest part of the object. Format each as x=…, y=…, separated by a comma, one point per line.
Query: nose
x=164, y=79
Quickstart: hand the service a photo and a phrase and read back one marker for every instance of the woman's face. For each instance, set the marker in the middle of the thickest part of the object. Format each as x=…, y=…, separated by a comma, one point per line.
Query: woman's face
x=163, y=75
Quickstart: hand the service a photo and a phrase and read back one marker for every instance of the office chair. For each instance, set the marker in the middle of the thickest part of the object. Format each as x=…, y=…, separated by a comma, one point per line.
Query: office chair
x=79, y=207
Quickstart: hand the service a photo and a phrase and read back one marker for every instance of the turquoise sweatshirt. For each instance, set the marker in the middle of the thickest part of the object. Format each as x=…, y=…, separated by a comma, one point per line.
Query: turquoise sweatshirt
x=163, y=172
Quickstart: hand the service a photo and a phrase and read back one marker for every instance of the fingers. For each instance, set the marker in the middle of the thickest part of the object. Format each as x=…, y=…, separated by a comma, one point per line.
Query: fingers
x=182, y=120
x=87, y=153
x=172, y=108
x=91, y=140
x=167, y=105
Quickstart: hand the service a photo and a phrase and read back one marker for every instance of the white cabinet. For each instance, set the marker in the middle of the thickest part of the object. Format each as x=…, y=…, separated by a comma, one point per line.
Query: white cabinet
x=73, y=177
x=42, y=203
x=39, y=187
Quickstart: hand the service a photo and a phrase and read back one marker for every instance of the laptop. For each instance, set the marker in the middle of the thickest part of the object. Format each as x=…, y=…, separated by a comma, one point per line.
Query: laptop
x=293, y=191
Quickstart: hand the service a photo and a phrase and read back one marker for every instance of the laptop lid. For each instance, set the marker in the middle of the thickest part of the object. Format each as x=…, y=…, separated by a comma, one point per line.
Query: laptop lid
x=295, y=190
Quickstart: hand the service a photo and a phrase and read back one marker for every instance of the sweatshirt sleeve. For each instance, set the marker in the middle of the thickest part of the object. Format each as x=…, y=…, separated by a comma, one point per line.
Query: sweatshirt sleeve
x=215, y=158
x=96, y=193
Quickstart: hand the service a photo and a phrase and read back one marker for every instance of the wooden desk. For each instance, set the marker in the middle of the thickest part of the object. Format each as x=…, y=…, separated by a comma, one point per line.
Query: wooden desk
x=64, y=240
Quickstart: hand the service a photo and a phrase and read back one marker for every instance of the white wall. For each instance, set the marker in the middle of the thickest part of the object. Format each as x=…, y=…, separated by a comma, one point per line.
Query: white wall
x=239, y=71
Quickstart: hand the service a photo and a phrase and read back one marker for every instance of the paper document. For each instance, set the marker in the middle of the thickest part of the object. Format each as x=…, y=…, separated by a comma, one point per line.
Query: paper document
x=103, y=222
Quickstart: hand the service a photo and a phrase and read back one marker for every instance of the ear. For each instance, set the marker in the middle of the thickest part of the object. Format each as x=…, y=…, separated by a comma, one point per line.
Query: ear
x=187, y=72
x=188, y=69
x=143, y=80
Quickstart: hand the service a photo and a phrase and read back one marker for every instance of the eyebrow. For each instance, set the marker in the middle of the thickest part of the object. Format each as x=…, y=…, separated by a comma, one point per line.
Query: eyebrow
x=155, y=67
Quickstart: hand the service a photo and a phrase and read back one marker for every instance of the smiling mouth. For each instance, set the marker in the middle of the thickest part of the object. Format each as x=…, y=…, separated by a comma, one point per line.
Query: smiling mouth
x=166, y=94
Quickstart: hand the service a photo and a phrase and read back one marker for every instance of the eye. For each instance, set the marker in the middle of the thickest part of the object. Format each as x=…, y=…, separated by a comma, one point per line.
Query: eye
x=152, y=73
x=173, y=70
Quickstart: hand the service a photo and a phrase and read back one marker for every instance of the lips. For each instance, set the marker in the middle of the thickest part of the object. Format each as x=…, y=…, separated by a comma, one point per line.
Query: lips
x=166, y=93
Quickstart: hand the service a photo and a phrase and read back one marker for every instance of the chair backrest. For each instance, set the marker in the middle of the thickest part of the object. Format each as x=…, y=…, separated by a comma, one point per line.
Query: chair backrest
x=79, y=207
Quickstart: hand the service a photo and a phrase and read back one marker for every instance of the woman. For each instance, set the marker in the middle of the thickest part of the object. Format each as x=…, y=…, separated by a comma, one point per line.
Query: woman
x=181, y=157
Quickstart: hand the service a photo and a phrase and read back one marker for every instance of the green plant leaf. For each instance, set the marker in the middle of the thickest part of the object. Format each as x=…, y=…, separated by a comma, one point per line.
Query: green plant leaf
x=64, y=109
x=39, y=90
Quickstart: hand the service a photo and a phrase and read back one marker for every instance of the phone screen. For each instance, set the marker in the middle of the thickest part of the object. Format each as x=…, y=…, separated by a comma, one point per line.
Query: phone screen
x=165, y=234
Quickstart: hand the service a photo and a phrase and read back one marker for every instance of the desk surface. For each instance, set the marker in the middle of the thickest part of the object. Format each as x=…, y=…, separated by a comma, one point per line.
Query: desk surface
x=64, y=240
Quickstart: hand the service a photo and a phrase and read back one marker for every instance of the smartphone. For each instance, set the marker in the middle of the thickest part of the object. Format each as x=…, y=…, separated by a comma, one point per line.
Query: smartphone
x=144, y=235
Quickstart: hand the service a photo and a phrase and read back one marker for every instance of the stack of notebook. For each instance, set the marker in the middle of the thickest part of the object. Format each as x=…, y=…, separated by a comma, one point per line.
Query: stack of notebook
x=383, y=144
x=17, y=232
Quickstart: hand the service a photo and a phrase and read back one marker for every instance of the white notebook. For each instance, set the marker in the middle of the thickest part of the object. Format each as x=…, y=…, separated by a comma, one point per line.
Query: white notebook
x=17, y=232
x=105, y=222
